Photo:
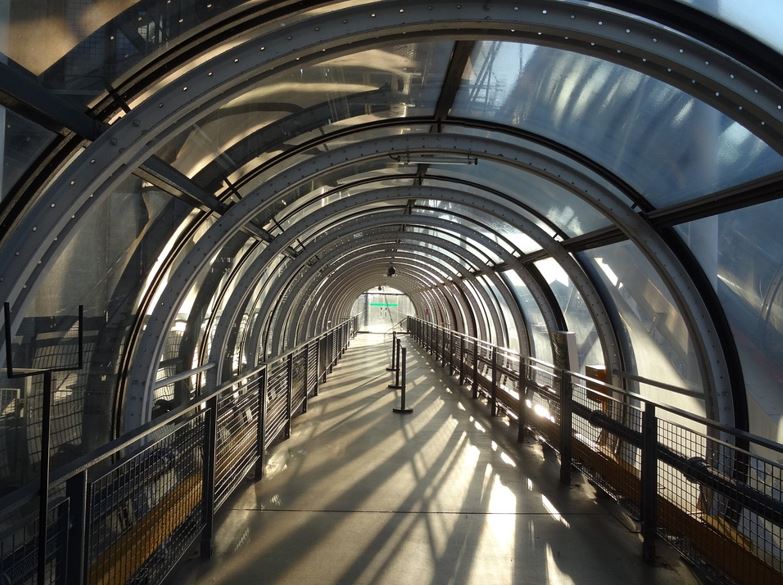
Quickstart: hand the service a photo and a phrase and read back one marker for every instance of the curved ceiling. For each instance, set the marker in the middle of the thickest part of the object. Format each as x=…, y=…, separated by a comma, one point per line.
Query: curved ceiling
x=216, y=183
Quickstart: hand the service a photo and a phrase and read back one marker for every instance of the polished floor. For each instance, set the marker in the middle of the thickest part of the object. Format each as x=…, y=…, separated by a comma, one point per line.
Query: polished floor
x=361, y=495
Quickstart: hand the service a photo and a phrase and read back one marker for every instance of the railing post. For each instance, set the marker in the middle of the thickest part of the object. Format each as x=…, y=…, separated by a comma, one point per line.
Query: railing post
x=396, y=384
x=76, y=492
x=451, y=353
x=649, y=479
x=430, y=345
x=566, y=391
x=43, y=493
x=461, y=360
x=522, y=410
x=403, y=366
x=474, y=384
x=306, y=377
x=443, y=348
x=317, y=366
x=261, y=427
x=394, y=347
x=208, y=479
x=289, y=394
x=331, y=351
x=493, y=409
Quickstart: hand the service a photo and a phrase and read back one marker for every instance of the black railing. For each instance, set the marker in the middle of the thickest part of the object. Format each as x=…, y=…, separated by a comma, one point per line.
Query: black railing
x=713, y=492
x=128, y=512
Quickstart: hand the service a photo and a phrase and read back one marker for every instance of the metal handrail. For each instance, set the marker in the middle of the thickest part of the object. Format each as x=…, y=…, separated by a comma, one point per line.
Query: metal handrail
x=740, y=489
x=12, y=501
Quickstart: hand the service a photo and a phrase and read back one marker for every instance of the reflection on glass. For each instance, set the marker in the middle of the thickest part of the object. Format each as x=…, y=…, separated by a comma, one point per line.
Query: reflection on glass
x=382, y=309
x=563, y=209
x=617, y=117
x=395, y=81
x=741, y=252
x=101, y=267
x=662, y=345
x=541, y=344
x=762, y=19
x=577, y=316
x=21, y=143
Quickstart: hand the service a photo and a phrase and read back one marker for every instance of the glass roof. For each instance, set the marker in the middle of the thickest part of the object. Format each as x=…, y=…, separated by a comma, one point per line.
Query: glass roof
x=395, y=81
x=762, y=19
x=567, y=211
x=617, y=116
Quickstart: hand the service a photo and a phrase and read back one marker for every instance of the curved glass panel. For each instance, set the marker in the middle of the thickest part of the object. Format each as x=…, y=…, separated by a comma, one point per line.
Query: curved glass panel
x=380, y=310
x=102, y=267
x=395, y=81
x=456, y=237
x=741, y=253
x=576, y=314
x=617, y=117
x=498, y=230
x=541, y=344
x=762, y=19
x=662, y=345
x=505, y=311
x=21, y=143
x=565, y=210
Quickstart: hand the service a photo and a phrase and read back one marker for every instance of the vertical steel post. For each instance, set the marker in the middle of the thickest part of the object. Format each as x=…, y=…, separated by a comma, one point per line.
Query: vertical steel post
x=317, y=366
x=396, y=384
x=43, y=487
x=261, y=427
x=394, y=346
x=451, y=353
x=522, y=409
x=493, y=409
x=461, y=360
x=649, y=479
x=306, y=377
x=289, y=394
x=208, y=479
x=76, y=492
x=566, y=391
x=443, y=348
x=474, y=385
x=404, y=368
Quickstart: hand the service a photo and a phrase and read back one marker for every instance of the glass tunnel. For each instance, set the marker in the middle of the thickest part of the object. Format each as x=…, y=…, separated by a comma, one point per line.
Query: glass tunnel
x=191, y=189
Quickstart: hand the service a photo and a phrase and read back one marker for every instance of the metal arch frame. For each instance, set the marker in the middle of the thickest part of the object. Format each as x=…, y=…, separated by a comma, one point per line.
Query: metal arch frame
x=332, y=291
x=260, y=264
x=675, y=58
x=399, y=237
x=337, y=291
x=252, y=204
x=347, y=231
x=276, y=306
x=22, y=281
x=304, y=299
x=688, y=298
x=410, y=266
x=287, y=279
x=328, y=297
x=284, y=306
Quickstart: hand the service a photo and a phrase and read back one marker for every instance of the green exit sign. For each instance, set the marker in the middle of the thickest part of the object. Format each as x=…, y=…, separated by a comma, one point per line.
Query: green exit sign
x=384, y=305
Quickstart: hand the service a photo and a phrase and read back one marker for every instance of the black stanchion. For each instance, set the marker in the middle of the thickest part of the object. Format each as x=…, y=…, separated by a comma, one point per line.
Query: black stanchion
x=403, y=363
x=394, y=348
x=396, y=385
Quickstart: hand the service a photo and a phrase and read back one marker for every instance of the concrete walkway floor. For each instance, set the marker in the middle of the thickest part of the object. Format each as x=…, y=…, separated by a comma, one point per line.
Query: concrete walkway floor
x=359, y=494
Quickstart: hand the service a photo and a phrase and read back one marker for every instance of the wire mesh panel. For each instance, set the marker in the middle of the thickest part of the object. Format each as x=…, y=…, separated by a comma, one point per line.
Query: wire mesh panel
x=312, y=372
x=19, y=545
x=299, y=374
x=611, y=461
x=277, y=400
x=146, y=512
x=237, y=434
x=721, y=504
